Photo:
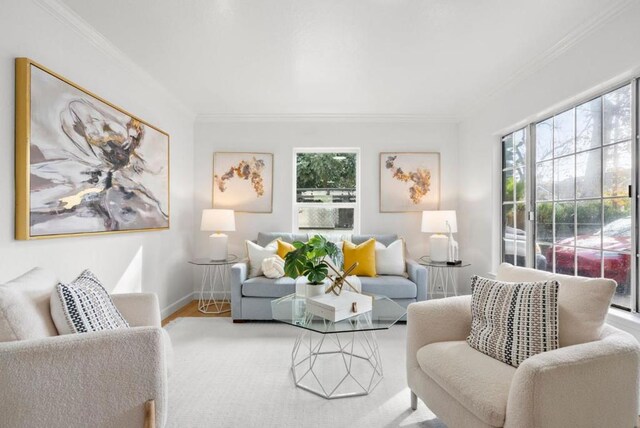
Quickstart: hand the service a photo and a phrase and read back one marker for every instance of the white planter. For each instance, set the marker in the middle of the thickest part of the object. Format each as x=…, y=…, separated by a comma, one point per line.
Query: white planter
x=304, y=289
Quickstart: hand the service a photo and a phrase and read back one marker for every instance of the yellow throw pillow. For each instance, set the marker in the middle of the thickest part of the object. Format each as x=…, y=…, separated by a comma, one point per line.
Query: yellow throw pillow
x=364, y=254
x=284, y=248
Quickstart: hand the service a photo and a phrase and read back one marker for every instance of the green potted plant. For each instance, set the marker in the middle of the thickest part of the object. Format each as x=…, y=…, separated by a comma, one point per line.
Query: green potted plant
x=310, y=260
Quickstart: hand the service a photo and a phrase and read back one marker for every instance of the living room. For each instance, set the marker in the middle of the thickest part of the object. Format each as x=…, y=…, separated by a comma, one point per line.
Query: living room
x=168, y=167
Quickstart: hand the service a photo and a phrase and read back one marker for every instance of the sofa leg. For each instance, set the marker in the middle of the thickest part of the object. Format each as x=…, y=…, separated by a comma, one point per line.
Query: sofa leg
x=150, y=414
x=414, y=401
x=239, y=321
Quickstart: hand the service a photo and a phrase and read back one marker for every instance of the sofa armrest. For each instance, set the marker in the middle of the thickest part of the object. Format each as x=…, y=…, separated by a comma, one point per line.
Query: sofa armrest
x=434, y=321
x=239, y=272
x=139, y=309
x=591, y=384
x=418, y=274
x=102, y=379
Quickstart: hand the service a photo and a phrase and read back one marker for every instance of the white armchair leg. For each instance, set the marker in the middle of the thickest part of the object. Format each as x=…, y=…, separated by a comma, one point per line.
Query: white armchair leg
x=414, y=401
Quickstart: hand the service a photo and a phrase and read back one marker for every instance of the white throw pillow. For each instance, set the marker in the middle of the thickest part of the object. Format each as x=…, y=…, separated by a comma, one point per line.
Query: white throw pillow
x=273, y=267
x=583, y=303
x=24, y=306
x=256, y=254
x=390, y=260
x=83, y=306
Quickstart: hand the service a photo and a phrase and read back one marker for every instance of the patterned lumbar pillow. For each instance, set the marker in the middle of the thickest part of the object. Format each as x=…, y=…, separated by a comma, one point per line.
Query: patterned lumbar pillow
x=511, y=321
x=83, y=306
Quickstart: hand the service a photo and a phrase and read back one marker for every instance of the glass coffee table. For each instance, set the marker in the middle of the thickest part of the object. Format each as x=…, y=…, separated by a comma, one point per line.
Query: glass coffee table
x=336, y=359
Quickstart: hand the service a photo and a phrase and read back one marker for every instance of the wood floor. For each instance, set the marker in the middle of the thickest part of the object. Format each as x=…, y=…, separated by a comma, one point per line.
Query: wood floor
x=190, y=310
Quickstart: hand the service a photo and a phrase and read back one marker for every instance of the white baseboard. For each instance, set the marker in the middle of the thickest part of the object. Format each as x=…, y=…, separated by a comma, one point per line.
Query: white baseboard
x=165, y=312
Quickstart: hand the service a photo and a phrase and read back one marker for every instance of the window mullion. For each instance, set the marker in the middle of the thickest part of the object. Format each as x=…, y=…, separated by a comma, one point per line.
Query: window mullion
x=530, y=180
x=634, y=195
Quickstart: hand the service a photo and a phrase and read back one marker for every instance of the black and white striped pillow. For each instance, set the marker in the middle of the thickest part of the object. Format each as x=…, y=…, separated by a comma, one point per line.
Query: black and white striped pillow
x=84, y=306
x=511, y=321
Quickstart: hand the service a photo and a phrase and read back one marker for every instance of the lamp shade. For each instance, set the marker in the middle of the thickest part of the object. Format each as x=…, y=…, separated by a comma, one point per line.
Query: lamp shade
x=436, y=221
x=215, y=220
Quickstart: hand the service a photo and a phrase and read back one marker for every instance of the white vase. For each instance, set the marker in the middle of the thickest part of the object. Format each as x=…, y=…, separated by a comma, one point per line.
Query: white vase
x=312, y=290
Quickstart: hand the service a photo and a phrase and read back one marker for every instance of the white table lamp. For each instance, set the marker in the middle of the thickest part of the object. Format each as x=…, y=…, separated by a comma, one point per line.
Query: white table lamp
x=217, y=221
x=442, y=247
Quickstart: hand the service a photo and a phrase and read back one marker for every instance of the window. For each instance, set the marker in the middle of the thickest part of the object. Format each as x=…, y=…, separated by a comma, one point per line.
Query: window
x=326, y=192
x=514, y=242
x=582, y=165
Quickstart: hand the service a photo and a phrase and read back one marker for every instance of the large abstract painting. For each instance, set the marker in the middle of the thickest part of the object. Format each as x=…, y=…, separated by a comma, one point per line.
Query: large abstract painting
x=84, y=166
x=409, y=182
x=243, y=181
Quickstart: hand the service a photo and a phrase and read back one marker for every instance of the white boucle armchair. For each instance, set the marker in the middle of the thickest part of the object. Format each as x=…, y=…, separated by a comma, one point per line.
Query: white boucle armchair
x=115, y=378
x=593, y=384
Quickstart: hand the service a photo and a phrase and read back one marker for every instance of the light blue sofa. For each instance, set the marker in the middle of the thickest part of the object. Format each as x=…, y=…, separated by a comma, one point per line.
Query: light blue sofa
x=251, y=297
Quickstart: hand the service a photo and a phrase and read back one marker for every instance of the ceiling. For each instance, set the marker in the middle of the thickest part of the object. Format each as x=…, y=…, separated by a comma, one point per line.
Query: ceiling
x=426, y=58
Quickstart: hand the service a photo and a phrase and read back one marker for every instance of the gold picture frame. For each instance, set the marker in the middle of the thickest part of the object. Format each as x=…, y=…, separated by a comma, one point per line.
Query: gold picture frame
x=125, y=149
x=244, y=198
x=397, y=195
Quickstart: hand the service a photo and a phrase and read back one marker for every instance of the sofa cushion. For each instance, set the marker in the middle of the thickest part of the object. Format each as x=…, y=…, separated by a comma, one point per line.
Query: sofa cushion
x=273, y=267
x=392, y=286
x=264, y=238
x=390, y=258
x=284, y=248
x=583, y=303
x=24, y=306
x=384, y=239
x=480, y=383
x=261, y=286
x=362, y=255
x=256, y=255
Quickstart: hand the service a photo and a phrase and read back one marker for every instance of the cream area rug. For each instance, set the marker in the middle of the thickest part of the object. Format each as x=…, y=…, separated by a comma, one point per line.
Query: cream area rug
x=238, y=375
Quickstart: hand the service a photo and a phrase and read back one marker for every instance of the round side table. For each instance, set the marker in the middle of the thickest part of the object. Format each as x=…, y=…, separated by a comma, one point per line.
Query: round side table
x=215, y=280
x=442, y=275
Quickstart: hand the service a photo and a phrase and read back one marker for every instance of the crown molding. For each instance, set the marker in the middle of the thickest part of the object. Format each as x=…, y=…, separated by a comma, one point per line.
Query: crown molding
x=327, y=117
x=72, y=20
x=577, y=34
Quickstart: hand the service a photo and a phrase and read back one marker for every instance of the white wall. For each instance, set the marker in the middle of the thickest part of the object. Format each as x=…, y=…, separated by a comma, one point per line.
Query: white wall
x=281, y=138
x=601, y=58
x=150, y=261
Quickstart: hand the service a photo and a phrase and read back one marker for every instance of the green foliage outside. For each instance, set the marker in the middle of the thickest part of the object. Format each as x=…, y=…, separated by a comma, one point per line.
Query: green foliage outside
x=510, y=185
x=588, y=216
x=322, y=170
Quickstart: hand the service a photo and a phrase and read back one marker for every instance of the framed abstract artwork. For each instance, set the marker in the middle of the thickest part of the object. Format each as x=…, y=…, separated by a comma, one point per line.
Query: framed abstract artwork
x=409, y=182
x=84, y=166
x=243, y=181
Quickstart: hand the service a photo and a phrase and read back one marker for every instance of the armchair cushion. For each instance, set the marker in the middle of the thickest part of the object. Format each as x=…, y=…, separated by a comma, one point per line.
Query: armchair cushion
x=583, y=303
x=513, y=321
x=24, y=306
x=139, y=309
x=83, y=306
x=480, y=383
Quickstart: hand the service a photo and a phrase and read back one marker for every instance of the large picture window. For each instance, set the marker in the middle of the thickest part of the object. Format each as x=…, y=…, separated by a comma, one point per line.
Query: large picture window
x=581, y=206
x=326, y=190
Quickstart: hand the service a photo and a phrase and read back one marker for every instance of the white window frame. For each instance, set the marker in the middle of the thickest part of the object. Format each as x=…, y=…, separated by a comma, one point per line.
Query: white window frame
x=530, y=182
x=294, y=187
